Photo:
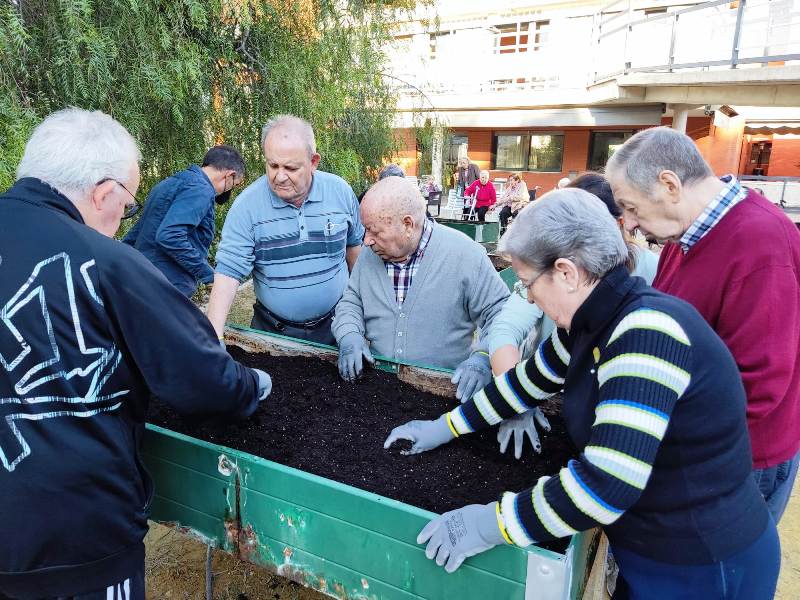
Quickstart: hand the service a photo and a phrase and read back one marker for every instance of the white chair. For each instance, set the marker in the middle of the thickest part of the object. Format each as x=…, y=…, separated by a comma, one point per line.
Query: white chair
x=455, y=204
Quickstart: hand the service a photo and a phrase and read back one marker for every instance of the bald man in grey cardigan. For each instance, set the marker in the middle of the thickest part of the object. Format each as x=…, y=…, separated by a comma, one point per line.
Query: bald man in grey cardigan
x=418, y=291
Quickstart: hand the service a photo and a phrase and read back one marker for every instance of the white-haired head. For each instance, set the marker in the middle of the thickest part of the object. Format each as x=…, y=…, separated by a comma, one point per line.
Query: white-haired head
x=74, y=149
x=569, y=223
x=562, y=183
x=291, y=125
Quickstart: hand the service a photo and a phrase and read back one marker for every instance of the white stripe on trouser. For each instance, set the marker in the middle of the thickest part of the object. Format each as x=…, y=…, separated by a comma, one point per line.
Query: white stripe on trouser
x=119, y=591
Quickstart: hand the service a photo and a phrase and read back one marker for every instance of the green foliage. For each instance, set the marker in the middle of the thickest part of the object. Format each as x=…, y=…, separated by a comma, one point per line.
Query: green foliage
x=182, y=75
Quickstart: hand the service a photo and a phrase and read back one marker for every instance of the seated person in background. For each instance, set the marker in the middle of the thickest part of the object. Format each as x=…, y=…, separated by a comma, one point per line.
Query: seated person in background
x=428, y=185
x=441, y=287
x=514, y=199
x=486, y=197
x=521, y=326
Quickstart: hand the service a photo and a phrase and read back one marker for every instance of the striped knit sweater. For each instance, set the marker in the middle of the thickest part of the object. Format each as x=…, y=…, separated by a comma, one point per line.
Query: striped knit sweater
x=654, y=401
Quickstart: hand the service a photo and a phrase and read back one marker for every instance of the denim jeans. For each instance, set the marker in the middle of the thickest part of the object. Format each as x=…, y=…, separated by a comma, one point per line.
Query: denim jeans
x=775, y=484
x=752, y=574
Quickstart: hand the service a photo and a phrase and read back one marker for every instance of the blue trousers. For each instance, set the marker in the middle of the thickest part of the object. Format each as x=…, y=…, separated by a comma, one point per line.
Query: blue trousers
x=749, y=575
x=775, y=484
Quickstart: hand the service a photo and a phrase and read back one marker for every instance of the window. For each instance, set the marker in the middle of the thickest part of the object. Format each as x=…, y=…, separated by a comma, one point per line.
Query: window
x=603, y=144
x=511, y=38
x=529, y=151
x=546, y=153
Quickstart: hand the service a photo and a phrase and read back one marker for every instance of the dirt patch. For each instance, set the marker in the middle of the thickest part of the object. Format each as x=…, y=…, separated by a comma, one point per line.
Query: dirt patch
x=175, y=570
x=316, y=422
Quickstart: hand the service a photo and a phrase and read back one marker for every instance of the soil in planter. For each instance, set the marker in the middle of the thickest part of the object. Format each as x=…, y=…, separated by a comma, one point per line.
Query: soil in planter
x=315, y=421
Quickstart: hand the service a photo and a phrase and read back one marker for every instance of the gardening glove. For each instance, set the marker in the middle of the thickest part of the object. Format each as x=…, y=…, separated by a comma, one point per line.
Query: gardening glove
x=520, y=425
x=222, y=345
x=352, y=350
x=424, y=435
x=264, y=384
x=472, y=375
x=459, y=534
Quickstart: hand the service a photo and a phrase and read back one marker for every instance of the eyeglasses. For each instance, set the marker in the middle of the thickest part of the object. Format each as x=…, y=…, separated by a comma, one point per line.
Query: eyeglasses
x=130, y=209
x=521, y=289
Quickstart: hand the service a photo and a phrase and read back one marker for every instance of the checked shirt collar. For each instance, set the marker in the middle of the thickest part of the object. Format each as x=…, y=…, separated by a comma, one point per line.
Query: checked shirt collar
x=728, y=197
x=403, y=273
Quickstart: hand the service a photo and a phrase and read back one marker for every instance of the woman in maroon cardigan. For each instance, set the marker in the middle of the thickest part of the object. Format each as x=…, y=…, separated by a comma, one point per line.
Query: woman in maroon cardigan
x=484, y=192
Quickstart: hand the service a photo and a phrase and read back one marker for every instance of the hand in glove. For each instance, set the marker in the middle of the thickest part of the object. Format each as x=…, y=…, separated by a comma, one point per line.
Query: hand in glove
x=424, y=435
x=519, y=426
x=459, y=534
x=264, y=384
x=472, y=375
x=353, y=349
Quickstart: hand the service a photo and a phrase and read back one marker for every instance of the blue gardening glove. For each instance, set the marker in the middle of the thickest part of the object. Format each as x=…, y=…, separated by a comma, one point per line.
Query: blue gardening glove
x=472, y=376
x=222, y=344
x=518, y=427
x=459, y=534
x=424, y=435
x=353, y=349
x=264, y=384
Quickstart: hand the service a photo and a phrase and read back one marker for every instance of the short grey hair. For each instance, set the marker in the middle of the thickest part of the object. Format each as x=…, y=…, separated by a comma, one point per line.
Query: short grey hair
x=643, y=157
x=567, y=223
x=484, y=171
x=73, y=149
x=298, y=125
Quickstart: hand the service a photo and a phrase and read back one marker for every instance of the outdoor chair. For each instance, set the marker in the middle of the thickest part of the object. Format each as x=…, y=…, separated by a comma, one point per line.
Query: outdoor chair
x=435, y=199
x=455, y=205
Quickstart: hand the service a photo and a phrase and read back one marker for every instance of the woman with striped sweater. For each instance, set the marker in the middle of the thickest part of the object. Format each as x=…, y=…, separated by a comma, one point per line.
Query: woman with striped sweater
x=653, y=401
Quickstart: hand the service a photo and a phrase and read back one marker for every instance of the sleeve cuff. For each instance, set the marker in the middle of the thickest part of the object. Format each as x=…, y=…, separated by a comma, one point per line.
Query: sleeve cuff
x=224, y=269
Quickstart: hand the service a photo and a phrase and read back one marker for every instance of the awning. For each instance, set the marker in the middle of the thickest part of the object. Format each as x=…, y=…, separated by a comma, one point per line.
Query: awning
x=772, y=127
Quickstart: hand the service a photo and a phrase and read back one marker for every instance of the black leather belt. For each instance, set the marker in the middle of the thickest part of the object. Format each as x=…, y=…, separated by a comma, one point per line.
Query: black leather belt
x=300, y=325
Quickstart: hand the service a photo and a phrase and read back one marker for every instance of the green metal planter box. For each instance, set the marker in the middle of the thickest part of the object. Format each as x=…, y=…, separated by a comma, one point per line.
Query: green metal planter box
x=335, y=538
x=480, y=232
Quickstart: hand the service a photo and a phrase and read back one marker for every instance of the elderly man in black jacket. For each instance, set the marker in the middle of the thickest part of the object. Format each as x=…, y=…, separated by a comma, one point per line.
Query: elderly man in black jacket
x=89, y=329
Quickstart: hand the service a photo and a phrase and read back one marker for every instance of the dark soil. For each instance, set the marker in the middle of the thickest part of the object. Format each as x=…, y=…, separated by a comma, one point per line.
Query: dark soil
x=315, y=421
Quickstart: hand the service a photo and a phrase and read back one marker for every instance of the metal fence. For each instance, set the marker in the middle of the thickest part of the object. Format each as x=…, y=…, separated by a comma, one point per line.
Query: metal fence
x=720, y=34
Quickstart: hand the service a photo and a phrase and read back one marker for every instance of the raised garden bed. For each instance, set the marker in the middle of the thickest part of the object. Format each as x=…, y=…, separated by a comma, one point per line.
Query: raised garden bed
x=316, y=422
x=337, y=538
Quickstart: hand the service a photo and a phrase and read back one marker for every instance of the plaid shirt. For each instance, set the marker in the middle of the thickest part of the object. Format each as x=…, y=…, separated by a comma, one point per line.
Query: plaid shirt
x=729, y=196
x=402, y=273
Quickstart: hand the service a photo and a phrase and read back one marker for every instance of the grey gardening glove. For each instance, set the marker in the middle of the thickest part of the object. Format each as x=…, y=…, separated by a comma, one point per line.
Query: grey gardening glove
x=459, y=534
x=264, y=384
x=424, y=435
x=353, y=349
x=472, y=375
x=519, y=426
x=222, y=345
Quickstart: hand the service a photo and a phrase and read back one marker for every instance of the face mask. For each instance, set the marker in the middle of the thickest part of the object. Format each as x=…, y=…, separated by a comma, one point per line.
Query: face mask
x=223, y=197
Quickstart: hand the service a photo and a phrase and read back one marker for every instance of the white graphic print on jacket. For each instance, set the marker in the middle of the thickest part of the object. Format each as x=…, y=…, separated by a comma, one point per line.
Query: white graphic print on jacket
x=37, y=384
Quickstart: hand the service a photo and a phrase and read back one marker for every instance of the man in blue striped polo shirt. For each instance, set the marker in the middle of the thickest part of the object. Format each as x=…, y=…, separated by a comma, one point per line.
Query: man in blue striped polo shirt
x=297, y=230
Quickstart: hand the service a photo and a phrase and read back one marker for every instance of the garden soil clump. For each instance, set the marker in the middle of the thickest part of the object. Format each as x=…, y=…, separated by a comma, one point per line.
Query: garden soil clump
x=315, y=421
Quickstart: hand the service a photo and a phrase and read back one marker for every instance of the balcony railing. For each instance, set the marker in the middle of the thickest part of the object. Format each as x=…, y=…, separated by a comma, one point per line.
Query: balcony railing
x=720, y=34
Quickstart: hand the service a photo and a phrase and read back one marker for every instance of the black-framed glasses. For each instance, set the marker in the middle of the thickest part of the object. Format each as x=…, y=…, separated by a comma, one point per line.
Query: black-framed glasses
x=130, y=209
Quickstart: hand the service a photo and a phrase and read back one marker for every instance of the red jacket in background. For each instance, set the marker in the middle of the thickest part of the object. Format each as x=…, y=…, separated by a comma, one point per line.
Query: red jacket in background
x=486, y=193
x=743, y=276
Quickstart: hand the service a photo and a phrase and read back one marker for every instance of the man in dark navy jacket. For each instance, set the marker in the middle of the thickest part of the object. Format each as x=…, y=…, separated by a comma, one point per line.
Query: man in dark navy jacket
x=177, y=226
x=89, y=329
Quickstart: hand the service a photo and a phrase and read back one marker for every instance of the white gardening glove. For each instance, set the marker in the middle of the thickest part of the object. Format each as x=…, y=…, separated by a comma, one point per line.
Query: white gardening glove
x=264, y=384
x=459, y=534
x=518, y=427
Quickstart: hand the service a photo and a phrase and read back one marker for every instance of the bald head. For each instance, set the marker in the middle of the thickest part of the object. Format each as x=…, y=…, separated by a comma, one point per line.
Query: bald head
x=395, y=197
x=393, y=213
